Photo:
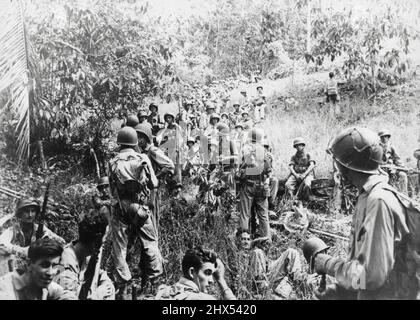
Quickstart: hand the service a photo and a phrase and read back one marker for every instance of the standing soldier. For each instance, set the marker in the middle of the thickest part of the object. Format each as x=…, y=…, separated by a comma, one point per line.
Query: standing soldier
x=260, y=104
x=154, y=118
x=254, y=171
x=211, y=130
x=162, y=166
x=246, y=120
x=390, y=156
x=131, y=178
x=130, y=121
x=301, y=166
x=236, y=115
x=205, y=117
x=143, y=115
x=331, y=90
x=274, y=182
x=381, y=262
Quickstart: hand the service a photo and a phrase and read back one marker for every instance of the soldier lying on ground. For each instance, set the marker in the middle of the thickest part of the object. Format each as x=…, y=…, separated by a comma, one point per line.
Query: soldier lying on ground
x=200, y=268
x=37, y=282
x=76, y=256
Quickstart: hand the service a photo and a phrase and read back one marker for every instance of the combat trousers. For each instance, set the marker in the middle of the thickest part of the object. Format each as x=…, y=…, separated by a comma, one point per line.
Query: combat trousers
x=252, y=194
x=155, y=196
x=274, y=188
x=151, y=262
x=292, y=182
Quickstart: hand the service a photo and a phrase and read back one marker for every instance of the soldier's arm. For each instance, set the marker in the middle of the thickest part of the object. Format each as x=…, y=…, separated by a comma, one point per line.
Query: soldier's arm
x=371, y=268
x=165, y=164
x=396, y=158
x=311, y=166
x=57, y=292
x=6, y=246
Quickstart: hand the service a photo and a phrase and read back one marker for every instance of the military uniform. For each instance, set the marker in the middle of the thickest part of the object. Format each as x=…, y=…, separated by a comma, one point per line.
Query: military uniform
x=390, y=156
x=13, y=286
x=71, y=274
x=300, y=163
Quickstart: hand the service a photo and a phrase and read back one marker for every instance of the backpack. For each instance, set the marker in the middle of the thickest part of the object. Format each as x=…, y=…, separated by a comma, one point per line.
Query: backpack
x=332, y=88
x=412, y=218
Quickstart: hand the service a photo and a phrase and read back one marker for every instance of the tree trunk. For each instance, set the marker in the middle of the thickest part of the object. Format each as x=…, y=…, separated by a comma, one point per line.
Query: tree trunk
x=308, y=27
x=41, y=154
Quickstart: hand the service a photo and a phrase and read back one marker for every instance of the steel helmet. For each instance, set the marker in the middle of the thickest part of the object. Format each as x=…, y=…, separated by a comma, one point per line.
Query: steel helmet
x=209, y=106
x=417, y=154
x=145, y=129
x=384, y=133
x=214, y=116
x=298, y=141
x=127, y=136
x=245, y=112
x=153, y=104
x=224, y=114
x=132, y=121
x=313, y=246
x=265, y=143
x=239, y=125
x=142, y=113
x=235, y=102
x=223, y=128
x=103, y=181
x=256, y=135
x=168, y=114
x=357, y=149
x=260, y=86
x=27, y=202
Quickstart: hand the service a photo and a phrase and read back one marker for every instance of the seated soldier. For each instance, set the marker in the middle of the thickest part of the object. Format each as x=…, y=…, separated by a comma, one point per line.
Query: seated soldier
x=301, y=170
x=16, y=239
x=79, y=261
x=37, y=282
x=199, y=267
x=390, y=156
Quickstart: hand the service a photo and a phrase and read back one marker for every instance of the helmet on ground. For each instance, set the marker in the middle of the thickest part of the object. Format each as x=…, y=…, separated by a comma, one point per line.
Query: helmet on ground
x=256, y=135
x=312, y=246
x=384, y=133
x=103, y=181
x=153, y=104
x=214, y=116
x=168, y=114
x=127, y=136
x=357, y=149
x=132, y=121
x=25, y=203
x=145, y=129
x=298, y=141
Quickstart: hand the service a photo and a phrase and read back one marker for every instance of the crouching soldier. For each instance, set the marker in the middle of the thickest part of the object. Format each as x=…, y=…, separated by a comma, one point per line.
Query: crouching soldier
x=200, y=268
x=131, y=179
x=36, y=283
x=301, y=170
x=79, y=263
x=15, y=240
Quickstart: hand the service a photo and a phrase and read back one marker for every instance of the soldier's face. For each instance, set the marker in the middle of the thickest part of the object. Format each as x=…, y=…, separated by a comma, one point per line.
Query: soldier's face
x=43, y=270
x=142, y=140
x=28, y=214
x=142, y=119
x=190, y=145
x=169, y=120
x=300, y=147
x=259, y=90
x=104, y=191
x=204, y=277
x=245, y=241
x=385, y=139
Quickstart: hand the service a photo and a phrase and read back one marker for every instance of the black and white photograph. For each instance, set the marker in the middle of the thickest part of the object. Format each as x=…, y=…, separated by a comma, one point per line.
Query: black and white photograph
x=247, y=150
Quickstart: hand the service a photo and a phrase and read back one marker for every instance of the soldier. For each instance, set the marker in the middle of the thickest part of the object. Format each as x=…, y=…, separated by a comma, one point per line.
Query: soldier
x=236, y=115
x=205, y=117
x=37, y=282
x=193, y=160
x=200, y=268
x=274, y=182
x=331, y=91
x=163, y=167
x=154, y=119
x=224, y=118
x=390, y=156
x=301, y=167
x=130, y=121
x=131, y=178
x=75, y=261
x=239, y=137
x=244, y=100
x=211, y=130
x=255, y=169
x=143, y=115
x=381, y=263
x=260, y=104
x=15, y=240
x=246, y=120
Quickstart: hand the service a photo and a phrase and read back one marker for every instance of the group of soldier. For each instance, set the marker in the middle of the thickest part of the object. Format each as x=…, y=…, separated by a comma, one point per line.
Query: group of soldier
x=155, y=154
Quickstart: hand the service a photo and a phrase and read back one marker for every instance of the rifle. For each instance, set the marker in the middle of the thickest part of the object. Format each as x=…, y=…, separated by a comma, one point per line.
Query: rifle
x=40, y=230
x=394, y=167
x=92, y=272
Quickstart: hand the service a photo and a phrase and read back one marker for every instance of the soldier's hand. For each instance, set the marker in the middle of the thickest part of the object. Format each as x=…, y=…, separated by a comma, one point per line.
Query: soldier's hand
x=105, y=291
x=330, y=293
x=219, y=274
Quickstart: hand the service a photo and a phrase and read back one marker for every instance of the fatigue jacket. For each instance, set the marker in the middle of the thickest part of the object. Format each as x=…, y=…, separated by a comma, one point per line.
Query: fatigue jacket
x=378, y=266
x=390, y=156
x=301, y=162
x=71, y=275
x=14, y=287
x=160, y=162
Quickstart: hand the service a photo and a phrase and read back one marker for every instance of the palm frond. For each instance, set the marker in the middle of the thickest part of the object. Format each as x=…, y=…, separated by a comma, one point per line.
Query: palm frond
x=14, y=70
